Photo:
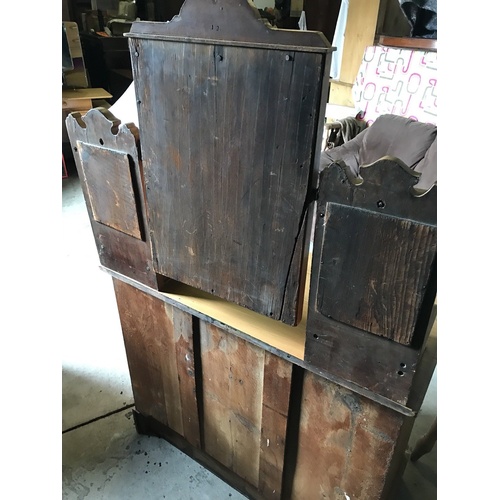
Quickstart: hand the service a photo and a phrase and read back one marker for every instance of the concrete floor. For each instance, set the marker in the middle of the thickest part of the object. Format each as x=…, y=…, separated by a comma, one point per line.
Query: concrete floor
x=102, y=455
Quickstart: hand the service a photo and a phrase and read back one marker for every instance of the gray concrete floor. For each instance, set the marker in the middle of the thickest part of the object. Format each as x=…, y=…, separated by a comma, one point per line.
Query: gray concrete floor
x=102, y=455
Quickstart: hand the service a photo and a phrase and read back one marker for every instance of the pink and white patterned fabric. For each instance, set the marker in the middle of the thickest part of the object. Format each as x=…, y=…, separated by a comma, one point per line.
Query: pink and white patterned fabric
x=397, y=81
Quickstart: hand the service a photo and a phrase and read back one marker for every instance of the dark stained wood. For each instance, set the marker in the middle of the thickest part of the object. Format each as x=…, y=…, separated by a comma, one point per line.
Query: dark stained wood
x=106, y=151
x=124, y=254
x=158, y=342
x=361, y=358
x=374, y=280
x=232, y=22
x=373, y=275
x=108, y=176
x=381, y=241
x=348, y=435
x=228, y=162
x=231, y=118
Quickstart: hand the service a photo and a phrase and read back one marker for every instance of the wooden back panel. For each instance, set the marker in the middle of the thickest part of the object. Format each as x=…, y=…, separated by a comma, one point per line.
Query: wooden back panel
x=107, y=159
x=229, y=112
x=378, y=246
x=373, y=277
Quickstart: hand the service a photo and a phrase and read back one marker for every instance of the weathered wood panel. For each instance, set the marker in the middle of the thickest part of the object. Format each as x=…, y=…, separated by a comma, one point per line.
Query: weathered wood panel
x=232, y=400
x=108, y=175
x=346, y=444
x=268, y=427
x=381, y=241
x=227, y=160
x=381, y=366
x=110, y=154
x=373, y=277
x=275, y=405
x=374, y=270
x=246, y=394
x=158, y=342
x=229, y=141
x=124, y=254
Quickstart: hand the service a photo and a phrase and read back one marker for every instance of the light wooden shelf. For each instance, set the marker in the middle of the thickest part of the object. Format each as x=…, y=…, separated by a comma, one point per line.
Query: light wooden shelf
x=289, y=339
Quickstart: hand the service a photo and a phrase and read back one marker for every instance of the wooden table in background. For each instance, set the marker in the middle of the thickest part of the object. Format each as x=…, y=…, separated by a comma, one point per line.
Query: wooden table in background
x=79, y=100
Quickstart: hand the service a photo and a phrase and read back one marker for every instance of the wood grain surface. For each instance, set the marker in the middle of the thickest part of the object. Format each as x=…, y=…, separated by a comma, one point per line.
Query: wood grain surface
x=159, y=347
x=246, y=393
x=346, y=444
x=229, y=136
x=227, y=161
x=109, y=168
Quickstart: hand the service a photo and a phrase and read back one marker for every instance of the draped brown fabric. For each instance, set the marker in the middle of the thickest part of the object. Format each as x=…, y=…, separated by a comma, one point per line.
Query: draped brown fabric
x=406, y=141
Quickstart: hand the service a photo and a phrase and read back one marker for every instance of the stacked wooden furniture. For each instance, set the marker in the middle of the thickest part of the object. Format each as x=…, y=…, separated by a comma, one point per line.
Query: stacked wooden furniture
x=205, y=225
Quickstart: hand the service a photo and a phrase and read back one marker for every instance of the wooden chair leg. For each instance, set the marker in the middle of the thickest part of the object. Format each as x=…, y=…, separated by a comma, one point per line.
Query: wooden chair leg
x=425, y=443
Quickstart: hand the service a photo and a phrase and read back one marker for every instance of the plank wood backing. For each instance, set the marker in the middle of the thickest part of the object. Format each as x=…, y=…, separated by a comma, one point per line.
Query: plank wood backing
x=269, y=427
x=245, y=403
x=229, y=142
x=371, y=282
x=159, y=346
x=376, y=250
x=373, y=278
x=275, y=412
x=108, y=176
x=346, y=444
x=109, y=168
x=232, y=22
